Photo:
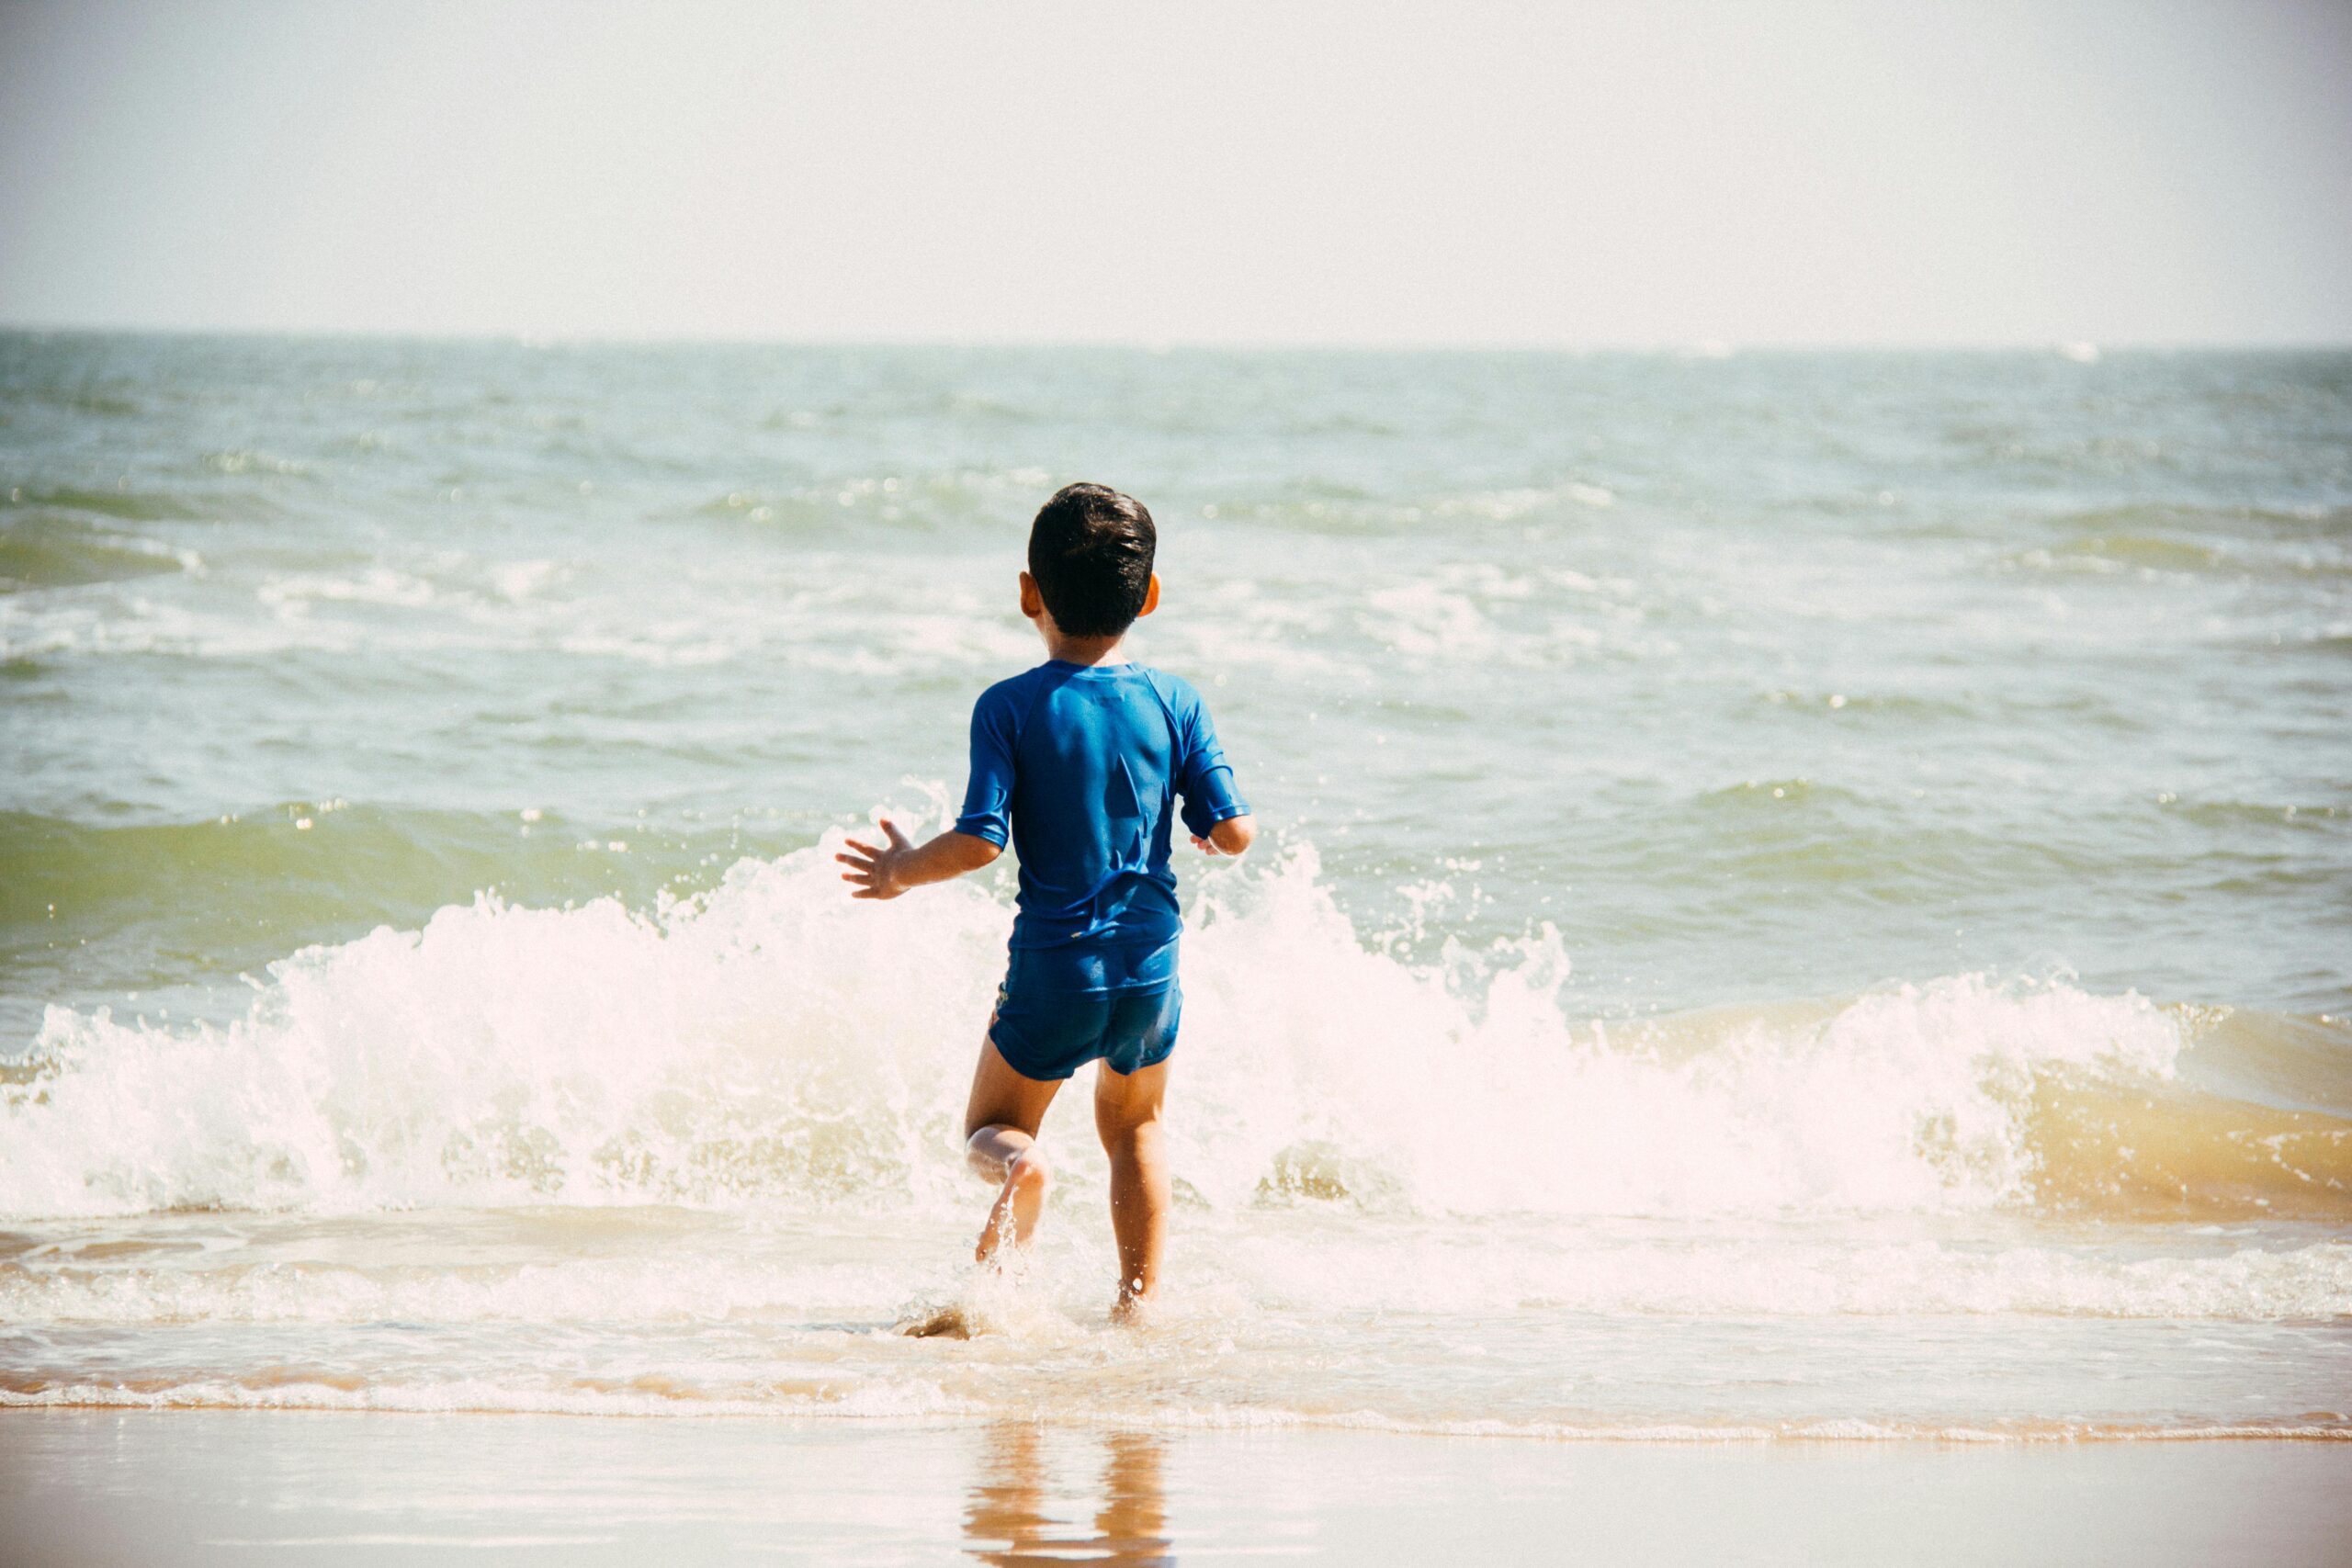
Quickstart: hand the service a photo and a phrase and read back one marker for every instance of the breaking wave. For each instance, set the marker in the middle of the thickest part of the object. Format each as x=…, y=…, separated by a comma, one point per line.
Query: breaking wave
x=771, y=1040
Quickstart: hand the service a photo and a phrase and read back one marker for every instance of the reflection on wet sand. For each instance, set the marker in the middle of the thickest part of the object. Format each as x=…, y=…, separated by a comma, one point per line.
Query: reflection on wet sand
x=1008, y=1521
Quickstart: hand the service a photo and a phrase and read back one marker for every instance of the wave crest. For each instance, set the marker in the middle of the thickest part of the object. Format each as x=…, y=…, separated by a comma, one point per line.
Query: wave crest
x=771, y=1041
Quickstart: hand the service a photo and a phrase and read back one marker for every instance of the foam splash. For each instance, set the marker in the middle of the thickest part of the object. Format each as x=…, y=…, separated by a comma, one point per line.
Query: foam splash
x=1237, y=1275
x=772, y=1039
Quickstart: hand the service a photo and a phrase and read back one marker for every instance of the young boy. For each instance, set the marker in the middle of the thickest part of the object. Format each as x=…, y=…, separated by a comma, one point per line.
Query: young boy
x=1078, y=762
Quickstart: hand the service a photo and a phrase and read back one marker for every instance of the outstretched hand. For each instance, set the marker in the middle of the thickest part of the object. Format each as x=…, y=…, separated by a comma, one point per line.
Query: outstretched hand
x=1233, y=835
x=874, y=868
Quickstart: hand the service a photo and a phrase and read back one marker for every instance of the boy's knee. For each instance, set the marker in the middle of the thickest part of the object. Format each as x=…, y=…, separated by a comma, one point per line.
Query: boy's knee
x=1029, y=1170
x=984, y=1151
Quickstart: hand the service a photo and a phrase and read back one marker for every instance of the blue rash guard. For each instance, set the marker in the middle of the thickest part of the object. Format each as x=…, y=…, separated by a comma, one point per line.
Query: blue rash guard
x=1078, y=766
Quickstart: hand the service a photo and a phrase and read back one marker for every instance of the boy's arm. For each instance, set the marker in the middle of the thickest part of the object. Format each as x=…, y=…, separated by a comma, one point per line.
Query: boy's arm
x=886, y=871
x=1215, y=813
x=1231, y=837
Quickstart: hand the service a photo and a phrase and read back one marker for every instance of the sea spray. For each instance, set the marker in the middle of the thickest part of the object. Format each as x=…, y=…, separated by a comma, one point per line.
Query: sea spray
x=771, y=1041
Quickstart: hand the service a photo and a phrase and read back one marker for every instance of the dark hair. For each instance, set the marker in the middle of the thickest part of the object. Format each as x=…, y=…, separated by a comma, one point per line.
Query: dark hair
x=1090, y=552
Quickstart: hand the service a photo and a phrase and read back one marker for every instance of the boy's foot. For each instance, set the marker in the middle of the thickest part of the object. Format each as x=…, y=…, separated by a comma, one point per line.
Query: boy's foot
x=952, y=1322
x=1013, y=1216
x=1131, y=1311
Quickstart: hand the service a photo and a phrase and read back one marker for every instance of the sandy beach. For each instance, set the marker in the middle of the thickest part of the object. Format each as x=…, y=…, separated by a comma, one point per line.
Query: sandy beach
x=181, y=1487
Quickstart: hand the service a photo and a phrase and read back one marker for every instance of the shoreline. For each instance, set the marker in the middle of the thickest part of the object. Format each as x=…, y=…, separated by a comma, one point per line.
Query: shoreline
x=190, y=1487
x=1172, y=1423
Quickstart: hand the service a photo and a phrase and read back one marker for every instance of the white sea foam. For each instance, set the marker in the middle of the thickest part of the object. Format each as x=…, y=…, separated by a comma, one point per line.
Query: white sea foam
x=1232, y=1273
x=775, y=1039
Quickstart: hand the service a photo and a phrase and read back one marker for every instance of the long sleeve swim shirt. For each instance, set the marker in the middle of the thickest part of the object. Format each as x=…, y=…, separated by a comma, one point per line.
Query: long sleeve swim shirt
x=1079, y=768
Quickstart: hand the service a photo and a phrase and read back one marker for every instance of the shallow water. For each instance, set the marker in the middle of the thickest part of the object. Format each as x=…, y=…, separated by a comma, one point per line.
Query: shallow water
x=234, y=1486
x=1808, y=895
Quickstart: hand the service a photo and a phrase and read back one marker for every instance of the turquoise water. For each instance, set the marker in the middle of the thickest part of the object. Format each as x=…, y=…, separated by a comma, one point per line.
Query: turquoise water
x=1759, y=839
x=2046, y=659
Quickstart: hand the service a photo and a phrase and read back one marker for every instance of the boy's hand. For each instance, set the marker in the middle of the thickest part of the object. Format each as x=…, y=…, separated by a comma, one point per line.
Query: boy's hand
x=889, y=870
x=875, y=870
x=1231, y=837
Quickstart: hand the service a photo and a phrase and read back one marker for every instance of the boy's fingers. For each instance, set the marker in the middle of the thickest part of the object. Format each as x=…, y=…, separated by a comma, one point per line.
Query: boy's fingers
x=897, y=841
x=869, y=849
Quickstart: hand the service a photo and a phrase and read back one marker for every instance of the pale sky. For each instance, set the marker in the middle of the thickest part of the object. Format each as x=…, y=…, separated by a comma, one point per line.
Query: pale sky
x=1326, y=171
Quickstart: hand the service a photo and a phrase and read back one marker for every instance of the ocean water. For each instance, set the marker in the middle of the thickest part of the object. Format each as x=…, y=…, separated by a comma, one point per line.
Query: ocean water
x=1804, y=896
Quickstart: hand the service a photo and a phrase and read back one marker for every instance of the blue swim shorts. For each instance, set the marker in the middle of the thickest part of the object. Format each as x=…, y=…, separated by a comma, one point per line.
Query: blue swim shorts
x=1047, y=1032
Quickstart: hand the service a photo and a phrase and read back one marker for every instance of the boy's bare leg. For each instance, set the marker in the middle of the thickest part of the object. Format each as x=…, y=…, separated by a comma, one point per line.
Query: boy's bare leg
x=1001, y=1143
x=1127, y=1113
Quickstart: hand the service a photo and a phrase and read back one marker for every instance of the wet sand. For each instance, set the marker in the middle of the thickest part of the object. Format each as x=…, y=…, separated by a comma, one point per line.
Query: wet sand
x=92, y=1487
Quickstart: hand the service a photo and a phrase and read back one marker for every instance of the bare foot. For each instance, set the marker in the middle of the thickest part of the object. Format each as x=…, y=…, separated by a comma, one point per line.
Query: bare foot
x=1013, y=1216
x=947, y=1323
x=1131, y=1310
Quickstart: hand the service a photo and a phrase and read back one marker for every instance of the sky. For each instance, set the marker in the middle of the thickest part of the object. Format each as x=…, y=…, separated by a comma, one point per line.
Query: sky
x=1323, y=171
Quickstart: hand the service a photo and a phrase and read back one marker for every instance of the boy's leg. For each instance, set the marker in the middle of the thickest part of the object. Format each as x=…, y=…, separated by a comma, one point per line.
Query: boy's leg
x=1127, y=1113
x=1000, y=1143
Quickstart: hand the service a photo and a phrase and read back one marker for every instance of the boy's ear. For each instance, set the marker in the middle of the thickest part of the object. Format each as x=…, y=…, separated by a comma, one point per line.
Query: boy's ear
x=1033, y=604
x=1150, y=598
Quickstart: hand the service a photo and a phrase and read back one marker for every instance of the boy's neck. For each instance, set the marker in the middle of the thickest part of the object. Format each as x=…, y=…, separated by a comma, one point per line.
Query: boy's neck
x=1086, y=649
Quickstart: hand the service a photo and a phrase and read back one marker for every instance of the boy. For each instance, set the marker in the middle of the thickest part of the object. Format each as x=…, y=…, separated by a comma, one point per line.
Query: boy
x=1077, y=762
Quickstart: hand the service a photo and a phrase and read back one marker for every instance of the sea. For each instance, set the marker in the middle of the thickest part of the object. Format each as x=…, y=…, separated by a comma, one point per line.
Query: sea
x=1800, y=894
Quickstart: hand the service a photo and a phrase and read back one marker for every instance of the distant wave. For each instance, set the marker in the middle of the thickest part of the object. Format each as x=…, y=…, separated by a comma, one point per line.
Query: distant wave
x=45, y=551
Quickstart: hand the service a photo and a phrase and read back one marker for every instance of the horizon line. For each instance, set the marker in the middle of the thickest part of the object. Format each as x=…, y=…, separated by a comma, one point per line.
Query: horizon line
x=1696, y=348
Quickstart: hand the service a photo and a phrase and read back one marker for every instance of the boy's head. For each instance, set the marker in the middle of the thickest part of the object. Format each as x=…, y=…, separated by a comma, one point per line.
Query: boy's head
x=1090, y=555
